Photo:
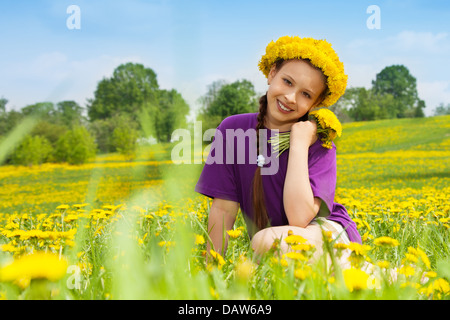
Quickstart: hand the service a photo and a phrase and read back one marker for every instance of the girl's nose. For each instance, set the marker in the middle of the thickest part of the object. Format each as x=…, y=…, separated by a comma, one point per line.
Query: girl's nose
x=290, y=97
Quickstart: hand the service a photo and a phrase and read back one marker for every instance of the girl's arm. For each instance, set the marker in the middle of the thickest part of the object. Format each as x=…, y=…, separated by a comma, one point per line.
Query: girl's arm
x=299, y=202
x=222, y=216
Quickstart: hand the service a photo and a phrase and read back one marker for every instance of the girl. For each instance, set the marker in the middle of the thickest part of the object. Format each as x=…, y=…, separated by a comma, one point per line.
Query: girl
x=302, y=74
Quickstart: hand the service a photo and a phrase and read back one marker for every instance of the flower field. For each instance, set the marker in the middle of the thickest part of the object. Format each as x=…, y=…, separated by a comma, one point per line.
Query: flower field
x=121, y=229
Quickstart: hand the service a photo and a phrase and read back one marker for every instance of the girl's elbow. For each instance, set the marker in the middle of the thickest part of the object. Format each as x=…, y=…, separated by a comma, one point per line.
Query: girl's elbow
x=300, y=224
x=300, y=219
x=302, y=216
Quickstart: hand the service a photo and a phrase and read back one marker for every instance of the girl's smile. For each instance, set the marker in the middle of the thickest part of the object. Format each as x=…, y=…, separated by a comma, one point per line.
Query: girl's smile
x=283, y=108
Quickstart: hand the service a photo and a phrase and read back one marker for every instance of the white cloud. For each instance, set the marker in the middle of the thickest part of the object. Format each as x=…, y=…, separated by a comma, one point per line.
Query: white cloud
x=361, y=75
x=405, y=42
x=434, y=93
x=54, y=77
x=426, y=42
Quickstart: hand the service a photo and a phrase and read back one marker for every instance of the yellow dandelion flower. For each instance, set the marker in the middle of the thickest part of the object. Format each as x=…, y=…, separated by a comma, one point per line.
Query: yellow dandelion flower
x=441, y=285
x=407, y=270
x=217, y=257
x=8, y=247
x=245, y=269
x=79, y=206
x=386, y=241
x=283, y=262
x=430, y=274
x=166, y=244
x=407, y=284
x=302, y=247
x=327, y=235
x=419, y=253
x=302, y=273
x=234, y=233
x=328, y=120
x=355, y=279
x=410, y=258
x=295, y=256
x=294, y=239
x=71, y=217
x=340, y=246
x=39, y=265
x=199, y=239
x=213, y=293
x=383, y=264
x=358, y=249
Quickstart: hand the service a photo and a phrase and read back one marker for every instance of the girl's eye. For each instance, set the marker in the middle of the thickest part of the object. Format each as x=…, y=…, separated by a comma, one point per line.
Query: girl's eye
x=287, y=82
x=306, y=94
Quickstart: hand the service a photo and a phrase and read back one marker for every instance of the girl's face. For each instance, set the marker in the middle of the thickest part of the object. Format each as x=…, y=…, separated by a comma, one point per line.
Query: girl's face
x=294, y=89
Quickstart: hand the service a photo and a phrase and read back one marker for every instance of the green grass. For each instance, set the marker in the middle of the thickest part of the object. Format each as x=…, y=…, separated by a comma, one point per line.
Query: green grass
x=393, y=178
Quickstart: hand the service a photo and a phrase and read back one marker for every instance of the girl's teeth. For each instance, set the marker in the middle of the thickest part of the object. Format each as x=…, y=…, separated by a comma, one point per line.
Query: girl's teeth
x=283, y=107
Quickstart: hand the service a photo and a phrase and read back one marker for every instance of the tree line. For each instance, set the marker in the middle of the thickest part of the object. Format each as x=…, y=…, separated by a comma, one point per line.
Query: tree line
x=129, y=108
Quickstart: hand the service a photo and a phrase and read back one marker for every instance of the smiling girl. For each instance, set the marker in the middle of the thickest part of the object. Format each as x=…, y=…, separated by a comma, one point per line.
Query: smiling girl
x=302, y=74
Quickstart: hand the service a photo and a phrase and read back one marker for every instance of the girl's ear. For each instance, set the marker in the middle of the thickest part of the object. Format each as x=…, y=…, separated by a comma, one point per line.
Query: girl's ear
x=272, y=73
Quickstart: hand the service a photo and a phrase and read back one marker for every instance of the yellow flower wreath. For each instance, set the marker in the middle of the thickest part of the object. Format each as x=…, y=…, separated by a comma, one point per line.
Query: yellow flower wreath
x=321, y=55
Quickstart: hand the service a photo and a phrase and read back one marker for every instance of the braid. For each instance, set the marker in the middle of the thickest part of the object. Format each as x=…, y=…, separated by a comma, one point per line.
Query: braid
x=262, y=112
x=259, y=206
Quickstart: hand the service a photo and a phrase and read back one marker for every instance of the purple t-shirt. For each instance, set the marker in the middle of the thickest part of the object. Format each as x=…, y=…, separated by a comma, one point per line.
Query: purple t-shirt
x=229, y=170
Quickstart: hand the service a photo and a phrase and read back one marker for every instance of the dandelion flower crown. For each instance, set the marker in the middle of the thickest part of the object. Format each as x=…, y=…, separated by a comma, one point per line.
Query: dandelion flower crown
x=321, y=55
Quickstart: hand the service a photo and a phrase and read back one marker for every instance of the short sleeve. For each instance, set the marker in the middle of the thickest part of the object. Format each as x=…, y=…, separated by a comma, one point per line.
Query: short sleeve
x=322, y=175
x=218, y=178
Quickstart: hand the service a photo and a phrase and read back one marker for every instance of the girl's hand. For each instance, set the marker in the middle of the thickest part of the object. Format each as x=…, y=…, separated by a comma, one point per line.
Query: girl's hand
x=303, y=133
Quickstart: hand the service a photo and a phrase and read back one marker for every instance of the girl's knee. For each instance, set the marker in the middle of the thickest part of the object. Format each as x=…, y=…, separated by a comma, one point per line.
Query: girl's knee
x=262, y=241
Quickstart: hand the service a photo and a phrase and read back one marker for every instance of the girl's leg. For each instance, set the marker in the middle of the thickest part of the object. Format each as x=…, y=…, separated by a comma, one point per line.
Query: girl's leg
x=262, y=241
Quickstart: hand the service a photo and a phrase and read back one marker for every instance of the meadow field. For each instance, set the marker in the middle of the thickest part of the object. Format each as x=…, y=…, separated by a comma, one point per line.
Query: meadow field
x=116, y=228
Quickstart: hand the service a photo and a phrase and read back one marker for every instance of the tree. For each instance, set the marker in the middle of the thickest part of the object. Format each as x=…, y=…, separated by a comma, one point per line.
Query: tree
x=126, y=91
x=103, y=129
x=418, y=110
x=343, y=105
x=172, y=113
x=31, y=151
x=50, y=130
x=3, y=103
x=8, y=120
x=69, y=113
x=124, y=135
x=223, y=100
x=40, y=109
x=361, y=104
x=398, y=82
x=442, y=110
x=76, y=146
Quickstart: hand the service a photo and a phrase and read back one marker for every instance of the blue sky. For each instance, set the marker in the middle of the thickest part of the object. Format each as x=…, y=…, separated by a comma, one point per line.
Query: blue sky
x=191, y=43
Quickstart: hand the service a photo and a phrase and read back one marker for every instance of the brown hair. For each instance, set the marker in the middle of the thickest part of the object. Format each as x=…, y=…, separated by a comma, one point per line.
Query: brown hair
x=260, y=216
